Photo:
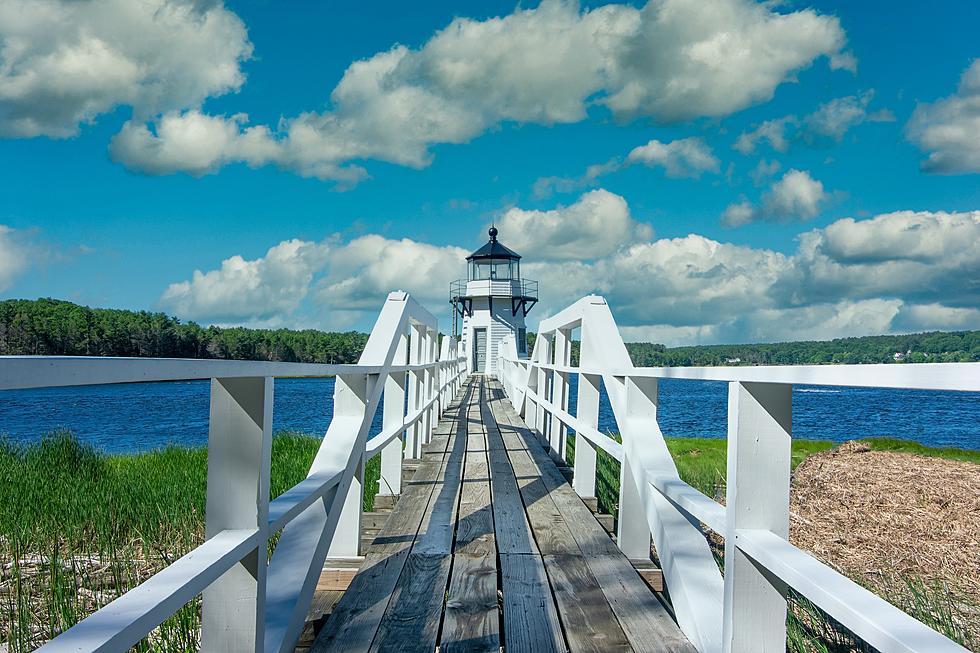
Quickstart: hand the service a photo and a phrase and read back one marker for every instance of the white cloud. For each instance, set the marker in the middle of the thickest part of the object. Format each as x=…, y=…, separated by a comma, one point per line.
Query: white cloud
x=834, y=118
x=363, y=272
x=949, y=129
x=925, y=257
x=673, y=60
x=66, y=62
x=596, y=225
x=831, y=120
x=249, y=290
x=194, y=143
x=686, y=157
x=895, y=272
x=688, y=58
x=773, y=131
x=796, y=196
x=14, y=256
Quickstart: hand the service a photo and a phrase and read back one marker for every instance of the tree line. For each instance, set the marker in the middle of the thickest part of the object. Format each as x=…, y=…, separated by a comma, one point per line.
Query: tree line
x=55, y=327
x=932, y=347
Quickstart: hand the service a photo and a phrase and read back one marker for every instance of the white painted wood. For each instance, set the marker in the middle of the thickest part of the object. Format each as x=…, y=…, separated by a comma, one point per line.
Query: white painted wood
x=963, y=377
x=587, y=412
x=760, y=419
x=559, y=382
x=633, y=531
x=870, y=617
x=390, y=482
x=690, y=500
x=298, y=498
x=413, y=435
x=127, y=620
x=239, y=455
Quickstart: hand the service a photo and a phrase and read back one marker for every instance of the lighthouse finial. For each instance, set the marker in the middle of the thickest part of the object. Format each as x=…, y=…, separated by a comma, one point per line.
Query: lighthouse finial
x=493, y=232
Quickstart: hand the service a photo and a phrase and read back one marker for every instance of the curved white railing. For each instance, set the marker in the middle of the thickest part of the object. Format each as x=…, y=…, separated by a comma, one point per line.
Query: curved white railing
x=743, y=609
x=251, y=602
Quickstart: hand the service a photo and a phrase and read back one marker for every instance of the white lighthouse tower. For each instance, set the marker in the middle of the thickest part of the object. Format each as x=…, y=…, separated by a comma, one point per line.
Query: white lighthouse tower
x=490, y=303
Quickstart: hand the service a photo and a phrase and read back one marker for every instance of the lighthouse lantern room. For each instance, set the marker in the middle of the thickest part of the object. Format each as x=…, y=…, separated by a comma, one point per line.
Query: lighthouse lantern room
x=490, y=303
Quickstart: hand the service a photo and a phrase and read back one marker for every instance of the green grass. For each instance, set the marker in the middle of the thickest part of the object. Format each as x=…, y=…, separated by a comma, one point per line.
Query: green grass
x=81, y=527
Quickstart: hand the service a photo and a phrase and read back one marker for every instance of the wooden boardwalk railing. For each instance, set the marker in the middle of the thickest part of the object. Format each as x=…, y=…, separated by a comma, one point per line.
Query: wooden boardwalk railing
x=490, y=547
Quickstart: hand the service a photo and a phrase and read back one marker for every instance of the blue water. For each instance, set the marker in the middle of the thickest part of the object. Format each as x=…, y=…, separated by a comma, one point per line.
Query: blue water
x=140, y=417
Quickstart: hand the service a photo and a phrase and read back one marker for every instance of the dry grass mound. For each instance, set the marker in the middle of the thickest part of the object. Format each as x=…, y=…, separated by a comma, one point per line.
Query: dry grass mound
x=883, y=517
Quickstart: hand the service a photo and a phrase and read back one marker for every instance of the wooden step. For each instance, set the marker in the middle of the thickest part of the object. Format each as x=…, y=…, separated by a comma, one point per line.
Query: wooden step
x=651, y=573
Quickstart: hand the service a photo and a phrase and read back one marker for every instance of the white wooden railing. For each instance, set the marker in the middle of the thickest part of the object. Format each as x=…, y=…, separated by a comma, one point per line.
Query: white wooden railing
x=251, y=602
x=743, y=609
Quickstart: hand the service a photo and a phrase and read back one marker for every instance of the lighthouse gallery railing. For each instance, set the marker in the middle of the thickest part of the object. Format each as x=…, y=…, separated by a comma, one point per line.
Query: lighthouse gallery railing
x=744, y=608
x=252, y=602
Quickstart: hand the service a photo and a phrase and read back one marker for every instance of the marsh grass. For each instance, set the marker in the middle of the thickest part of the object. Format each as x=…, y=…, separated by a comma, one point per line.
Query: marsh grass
x=78, y=528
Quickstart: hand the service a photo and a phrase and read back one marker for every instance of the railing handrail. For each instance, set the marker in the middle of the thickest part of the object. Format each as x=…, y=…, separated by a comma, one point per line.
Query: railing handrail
x=264, y=610
x=24, y=372
x=743, y=609
x=962, y=377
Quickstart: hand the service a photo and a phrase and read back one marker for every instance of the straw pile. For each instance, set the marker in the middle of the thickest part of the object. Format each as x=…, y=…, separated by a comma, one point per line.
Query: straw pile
x=874, y=512
x=879, y=517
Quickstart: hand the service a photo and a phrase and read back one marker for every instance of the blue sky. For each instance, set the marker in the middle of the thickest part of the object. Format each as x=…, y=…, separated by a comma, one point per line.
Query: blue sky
x=132, y=180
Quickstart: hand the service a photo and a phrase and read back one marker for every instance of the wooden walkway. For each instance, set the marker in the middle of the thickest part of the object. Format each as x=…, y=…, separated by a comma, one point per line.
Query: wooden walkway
x=489, y=548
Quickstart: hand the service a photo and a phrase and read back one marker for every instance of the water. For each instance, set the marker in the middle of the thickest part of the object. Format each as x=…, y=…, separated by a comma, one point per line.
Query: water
x=145, y=416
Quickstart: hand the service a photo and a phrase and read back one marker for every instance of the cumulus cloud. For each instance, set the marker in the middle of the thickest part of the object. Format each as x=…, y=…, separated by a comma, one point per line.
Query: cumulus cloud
x=687, y=157
x=249, y=290
x=949, y=129
x=921, y=256
x=895, y=272
x=66, y=62
x=773, y=131
x=829, y=121
x=673, y=60
x=796, y=196
x=14, y=256
x=596, y=225
x=363, y=271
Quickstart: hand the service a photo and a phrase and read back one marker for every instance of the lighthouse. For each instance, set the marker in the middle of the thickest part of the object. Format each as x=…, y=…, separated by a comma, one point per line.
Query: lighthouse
x=491, y=303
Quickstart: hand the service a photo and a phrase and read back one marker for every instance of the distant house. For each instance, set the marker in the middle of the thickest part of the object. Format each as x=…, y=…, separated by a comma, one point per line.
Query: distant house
x=733, y=361
x=899, y=356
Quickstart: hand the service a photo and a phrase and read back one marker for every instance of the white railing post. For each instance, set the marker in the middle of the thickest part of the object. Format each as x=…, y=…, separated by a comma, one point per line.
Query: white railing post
x=413, y=442
x=541, y=385
x=632, y=530
x=239, y=454
x=587, y=411
x=346, y=541
x=431, y=343
x=390, y=482
x=563, y=357
x=759, y=449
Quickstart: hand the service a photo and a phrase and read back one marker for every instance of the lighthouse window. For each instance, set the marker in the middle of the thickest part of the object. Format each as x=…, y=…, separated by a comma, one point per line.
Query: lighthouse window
x=492, y=269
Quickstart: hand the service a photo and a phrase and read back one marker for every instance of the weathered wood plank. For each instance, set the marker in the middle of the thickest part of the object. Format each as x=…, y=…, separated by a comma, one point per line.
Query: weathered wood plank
x=511, y=528
x=355, y=619
x=647, y=624
x=531, y=621
x=590, y=624
x=411, y=622
x=472, y=619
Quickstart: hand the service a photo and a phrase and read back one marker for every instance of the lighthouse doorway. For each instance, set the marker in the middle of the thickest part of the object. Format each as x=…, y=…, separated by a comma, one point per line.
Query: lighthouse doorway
x=480, y=350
